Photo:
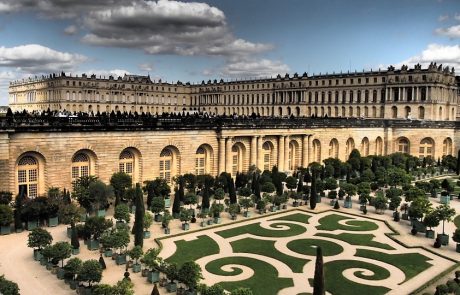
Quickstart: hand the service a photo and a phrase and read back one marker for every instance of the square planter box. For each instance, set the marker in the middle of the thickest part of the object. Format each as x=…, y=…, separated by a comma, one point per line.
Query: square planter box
x=185, y=226
x=75, y=251
x=53, y=221
x=153, y=276
x=247, y=214
x=332, y=202
x=405, y=216
x=43, y=261
x=444, y=239
x=137, y=267
x=295, y=204
x=73, y=284
x=445, y=200
x=5, y=229
x=157, y=217
x=167, y=231
x=93, y=245
x=100, y=213
x=217, y=220
x=210, y=222
x=347, y=204
x=457, y=248
x=146, y=234
x=108, y=253
x=262, y=211
x=31, y=224
x=203, y=223
x=171, y=287
x=419, y=226
x=37, y=255
x=167, y=202
x=429, y=234
x=273, y=208
x=60, y=273
x=121, y=259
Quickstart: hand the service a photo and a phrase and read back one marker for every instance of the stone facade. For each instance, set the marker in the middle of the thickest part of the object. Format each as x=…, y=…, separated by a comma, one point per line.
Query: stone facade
x=56, y=155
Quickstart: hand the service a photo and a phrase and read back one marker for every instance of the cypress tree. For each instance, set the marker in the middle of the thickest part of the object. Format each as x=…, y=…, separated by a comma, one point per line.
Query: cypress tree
x=181, y=188
x=176, y=204
x=205, y=200
x=257, y=189
x=300, y=183
x=318, y=280
x=102, y=262
x=458, y=162
x=74, y=237
x=254, y=182
x=139, y=217
x=155, y=290
x=231, y=191
x=307, y=176
x=313, y=193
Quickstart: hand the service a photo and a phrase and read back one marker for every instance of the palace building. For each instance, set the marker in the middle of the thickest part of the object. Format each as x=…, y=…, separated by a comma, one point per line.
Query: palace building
x=300, y=120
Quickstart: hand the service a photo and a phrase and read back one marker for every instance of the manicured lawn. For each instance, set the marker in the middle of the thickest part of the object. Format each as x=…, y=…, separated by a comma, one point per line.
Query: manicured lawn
x=193, y=250
x=299, y=217
x=331, y=222
x=357, y=239
x=267, y=248
x=410, y=263
x=308, y=247
x=265, y=280
x=257, y=230
x=336, y=283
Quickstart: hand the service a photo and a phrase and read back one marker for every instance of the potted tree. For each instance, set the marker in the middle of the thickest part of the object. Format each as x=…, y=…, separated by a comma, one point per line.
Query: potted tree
x=190, y=199
x=380, y=204
x=136, y=253
x=61, y=251
x=190, y=275
x=95, y=226
x=456, y=238
x=185, y=216
x=246, y=202
x=262, y=204
x=216, y=209
x=107, y=243
x=167, y=217
x=151, y=261
x=233, y=210
x=172, y=273
x=404, y=208
x=444, y=213
x=395, y=201
x=89, y=272
x=120, y=241
x=121, y=214
x=6, y=218
x=202, y=215
x=148, y=220
x=431, y=220
x=38, y=239
x=52, y=206
x=72, y=268
x=158, y=206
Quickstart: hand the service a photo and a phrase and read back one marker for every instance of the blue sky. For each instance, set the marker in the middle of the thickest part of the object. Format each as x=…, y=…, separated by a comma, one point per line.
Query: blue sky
x=194, y=41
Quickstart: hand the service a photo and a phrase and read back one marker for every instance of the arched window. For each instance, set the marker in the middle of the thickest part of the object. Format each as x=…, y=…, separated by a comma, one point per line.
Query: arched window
x=334, y=148
x=293, y=155
x=28, y=176
x=365, y=147
x=126, y=162
x=267, y=150
x=421, y=112
x=394, y=112
x=447, y=147
x=403, y=145
x=408, y=112
x=200, y=161
x=379, y=146
x=350, y=145
x=426, y=148
x=80, y=165
x=317, y=151
x=167, y=163
x=237, y=159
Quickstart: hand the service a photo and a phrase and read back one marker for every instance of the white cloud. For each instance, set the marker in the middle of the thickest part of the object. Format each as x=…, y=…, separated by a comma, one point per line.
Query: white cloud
x=71, y=30
x=457, y=16
x=36, y=58
x=106, y=73
x=451, y=32
x=443, y=18
x=257, y=68
x=147, y=67
x=441, y=54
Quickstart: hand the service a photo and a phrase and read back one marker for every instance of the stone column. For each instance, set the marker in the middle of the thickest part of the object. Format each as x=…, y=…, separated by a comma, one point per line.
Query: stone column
x=305, y=151
x=286, y=153
x=253, y=160
x=221, y=155
x=281, y=153
x=260, y=157
x=228, y=155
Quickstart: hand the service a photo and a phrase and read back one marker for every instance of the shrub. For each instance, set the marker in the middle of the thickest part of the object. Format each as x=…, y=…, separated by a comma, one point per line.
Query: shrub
x=90, y=272
x=8, y=287
x=122, y=213
x=6, y=215
x=39, y=238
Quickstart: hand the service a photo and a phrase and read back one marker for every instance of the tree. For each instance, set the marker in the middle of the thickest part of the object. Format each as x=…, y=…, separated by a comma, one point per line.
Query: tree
x=81, y=191
x=120, y=182
x=150, y=258
x=458, y=163
x=444, y=213
x=8, y=287
x=95, y=226
x=122, y=213
x=155, y=290
x=231, y=190
x=73, y=266
x=419, y=207
x=100, y=193
x=5, y=197
x=190, y=199
x=190, y=274
x=318, y=279
x=139, y=217
x=291, y=183
x=120, y=238
x=6, y=215
x=136, y=253
x=148, y=220
x=90, y=272
x=431, y=220
x=313, y=193
x=39, y=238
x=61, y=251
x=74, y=238
x=176, y=203
x=456, y=236
x=241, y=291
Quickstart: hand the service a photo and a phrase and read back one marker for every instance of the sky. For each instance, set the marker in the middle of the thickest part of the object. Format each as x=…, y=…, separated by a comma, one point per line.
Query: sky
x=192, y=41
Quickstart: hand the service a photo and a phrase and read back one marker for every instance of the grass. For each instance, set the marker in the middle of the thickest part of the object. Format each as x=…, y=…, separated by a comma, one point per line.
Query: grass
x=257, y=230
x=264, y=281
x=457, y=221
x=410, y=263
x=193, y=250
x=299, y=217
x=267, y=248
x=336, y=283
x=308, y=247
x=331, y=223
x=357, y=239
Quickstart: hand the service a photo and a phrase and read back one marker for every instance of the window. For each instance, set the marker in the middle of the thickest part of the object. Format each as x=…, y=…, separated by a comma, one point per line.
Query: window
x=379, y=146
x=365, y=147
x=403, y=146
x=200, y=161
x=292, y=156
x=317, y=151
x=334, y=148
x=237, y=160
x=28, y=176
x=350, y=145
x=126, y=163
x=426, y=148
x=166, y=161
x=267, y=155
x=80, y=166
x=447, y=147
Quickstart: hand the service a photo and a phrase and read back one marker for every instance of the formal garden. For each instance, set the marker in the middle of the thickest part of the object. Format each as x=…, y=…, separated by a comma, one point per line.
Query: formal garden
x=256, y=231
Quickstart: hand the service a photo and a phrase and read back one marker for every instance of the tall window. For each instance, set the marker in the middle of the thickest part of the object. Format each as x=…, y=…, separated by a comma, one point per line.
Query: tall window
x=237, y=159
x=379, y=146
x=365, y=147
x=447, y=147
x=293, y=151
x=350, y=145
x=317, y=151
x=80, y=166
x=126, y=162
x=426, y=148
x=200, y=161
x=267, y=154
x=166, y=163
x=28, y=176
x=403, y=146
x=334, y=148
